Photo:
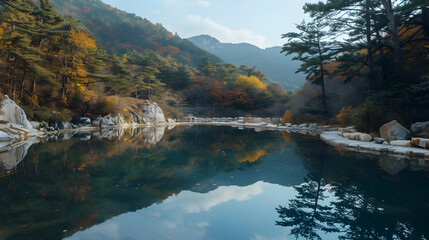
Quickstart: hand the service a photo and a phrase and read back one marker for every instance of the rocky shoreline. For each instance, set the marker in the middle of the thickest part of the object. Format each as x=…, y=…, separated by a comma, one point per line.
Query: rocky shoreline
x=16, y=131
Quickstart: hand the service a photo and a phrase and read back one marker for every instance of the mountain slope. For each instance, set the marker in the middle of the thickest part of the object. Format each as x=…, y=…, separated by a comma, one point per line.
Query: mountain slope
x=119, y=31
x=275, y=65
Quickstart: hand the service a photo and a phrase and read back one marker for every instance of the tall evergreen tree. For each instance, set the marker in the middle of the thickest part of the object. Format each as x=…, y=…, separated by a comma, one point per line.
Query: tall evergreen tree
x=313, y=46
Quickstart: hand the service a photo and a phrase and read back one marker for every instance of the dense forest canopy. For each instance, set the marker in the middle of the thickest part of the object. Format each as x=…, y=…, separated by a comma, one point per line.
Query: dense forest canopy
x=379, y=44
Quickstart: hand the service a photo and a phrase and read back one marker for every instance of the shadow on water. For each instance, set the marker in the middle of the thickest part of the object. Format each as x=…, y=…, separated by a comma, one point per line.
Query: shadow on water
x=345, y=196
x=77, y=180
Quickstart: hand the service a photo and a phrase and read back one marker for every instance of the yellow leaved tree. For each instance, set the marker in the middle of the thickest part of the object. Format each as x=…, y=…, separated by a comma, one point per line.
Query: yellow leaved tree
x=251, y=82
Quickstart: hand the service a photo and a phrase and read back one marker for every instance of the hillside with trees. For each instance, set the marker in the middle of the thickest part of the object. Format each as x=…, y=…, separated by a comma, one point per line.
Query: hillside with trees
x=119, y=31
x=56, y=69
x=367, y=62
x=271, y=61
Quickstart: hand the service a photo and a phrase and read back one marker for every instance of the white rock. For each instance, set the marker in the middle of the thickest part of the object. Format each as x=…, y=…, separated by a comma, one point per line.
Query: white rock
x=401, y=143
x=364, y=137
x=153, y=114
x=170, y=120
x=12, y=113
x=302, y=125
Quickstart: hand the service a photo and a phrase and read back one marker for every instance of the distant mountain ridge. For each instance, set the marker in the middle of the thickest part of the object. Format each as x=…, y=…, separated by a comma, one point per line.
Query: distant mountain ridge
x=119, y=31
x=275, y=65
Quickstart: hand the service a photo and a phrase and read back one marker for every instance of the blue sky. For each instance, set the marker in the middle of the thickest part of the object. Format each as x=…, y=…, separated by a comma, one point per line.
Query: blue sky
x=259, y=22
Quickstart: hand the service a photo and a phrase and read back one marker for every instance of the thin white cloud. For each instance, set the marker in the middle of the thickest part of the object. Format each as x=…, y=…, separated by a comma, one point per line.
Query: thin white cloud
x=223, y=33
x=192, y=202
x=203, y=3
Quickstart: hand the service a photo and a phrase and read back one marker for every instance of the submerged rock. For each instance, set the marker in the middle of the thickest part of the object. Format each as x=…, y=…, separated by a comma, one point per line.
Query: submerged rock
x=420, y=129
x=15, y=153
x=394, y=131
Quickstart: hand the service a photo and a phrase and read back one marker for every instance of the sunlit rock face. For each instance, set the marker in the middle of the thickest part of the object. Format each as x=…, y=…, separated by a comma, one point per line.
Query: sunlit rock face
x=12, y=113
x=153, y=114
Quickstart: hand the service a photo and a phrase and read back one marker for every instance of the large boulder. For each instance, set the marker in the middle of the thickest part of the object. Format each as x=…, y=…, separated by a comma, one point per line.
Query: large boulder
x=12, y=113
x=394, y=131
x=420, y=129
x=153, y=114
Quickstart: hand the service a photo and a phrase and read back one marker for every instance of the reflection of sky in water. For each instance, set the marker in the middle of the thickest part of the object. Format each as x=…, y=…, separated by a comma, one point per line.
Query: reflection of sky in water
x=228, y=212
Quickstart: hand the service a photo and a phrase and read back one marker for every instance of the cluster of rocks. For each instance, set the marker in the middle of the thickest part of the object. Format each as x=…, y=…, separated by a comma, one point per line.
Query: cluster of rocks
x=15, y=127
x=394, y=134
x=191, y=118
x=151, y=114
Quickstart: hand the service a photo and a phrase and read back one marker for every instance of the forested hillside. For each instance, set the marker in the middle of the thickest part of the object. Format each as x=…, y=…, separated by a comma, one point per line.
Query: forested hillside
x=119, y=31
x=271, y=61
x=57, y=69
x=371, y=70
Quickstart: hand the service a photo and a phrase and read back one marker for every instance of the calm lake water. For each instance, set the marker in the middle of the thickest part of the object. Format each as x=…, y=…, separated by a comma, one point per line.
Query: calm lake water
x=207, y=182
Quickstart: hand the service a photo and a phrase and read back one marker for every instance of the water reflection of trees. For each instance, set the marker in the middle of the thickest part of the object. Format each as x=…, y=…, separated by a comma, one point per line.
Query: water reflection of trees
x=86, y=180
x=347, y=196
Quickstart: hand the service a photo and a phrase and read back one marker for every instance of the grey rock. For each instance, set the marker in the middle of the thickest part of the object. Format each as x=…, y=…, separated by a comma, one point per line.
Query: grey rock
x=363, y=137
x=84, y=121
x=379, y=140
x=420, y=129
x=394, y=131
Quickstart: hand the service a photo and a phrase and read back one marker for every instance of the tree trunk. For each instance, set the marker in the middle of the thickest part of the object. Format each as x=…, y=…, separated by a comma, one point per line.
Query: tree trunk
x=393, y=31
x=21, y=87
x=63, y=86
x=322, y=76
x=33, y=86
x=383, y=60
x=369, y=46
